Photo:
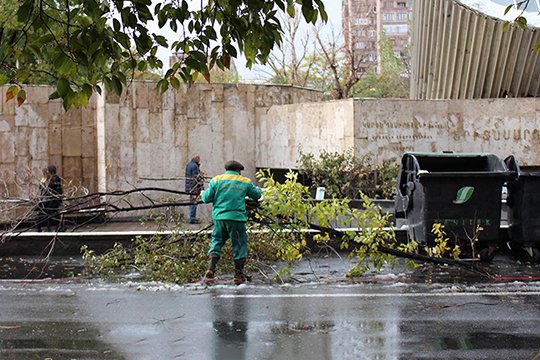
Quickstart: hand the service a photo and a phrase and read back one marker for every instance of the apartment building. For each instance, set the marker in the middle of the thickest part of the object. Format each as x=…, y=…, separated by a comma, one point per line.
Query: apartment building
x=365, y=20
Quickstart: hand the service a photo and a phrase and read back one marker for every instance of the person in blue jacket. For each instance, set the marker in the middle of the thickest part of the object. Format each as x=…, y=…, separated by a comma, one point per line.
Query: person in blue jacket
x=227, y=193
x=194, y=186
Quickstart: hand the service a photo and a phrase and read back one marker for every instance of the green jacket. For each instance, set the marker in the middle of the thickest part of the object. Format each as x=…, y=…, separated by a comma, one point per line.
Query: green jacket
x=228, y=194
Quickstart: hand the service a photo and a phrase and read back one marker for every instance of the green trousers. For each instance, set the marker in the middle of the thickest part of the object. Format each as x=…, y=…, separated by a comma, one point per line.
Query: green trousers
x=229, y=229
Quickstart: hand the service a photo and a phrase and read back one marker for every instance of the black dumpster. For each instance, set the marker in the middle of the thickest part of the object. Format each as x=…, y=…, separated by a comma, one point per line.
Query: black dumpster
x=458, y=190
x=523, y=200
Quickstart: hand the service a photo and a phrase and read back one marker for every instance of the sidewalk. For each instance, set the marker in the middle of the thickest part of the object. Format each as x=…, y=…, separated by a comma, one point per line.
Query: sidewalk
x=98, y=236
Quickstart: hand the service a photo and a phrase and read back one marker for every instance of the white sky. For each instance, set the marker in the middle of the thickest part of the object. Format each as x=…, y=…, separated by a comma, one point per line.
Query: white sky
x=495, y=8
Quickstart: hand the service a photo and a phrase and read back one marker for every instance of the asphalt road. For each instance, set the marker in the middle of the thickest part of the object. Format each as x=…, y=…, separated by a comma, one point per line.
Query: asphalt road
x=428, y=313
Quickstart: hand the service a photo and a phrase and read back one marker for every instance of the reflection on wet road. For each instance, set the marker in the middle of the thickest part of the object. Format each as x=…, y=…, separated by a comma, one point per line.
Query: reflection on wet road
x=309, y=321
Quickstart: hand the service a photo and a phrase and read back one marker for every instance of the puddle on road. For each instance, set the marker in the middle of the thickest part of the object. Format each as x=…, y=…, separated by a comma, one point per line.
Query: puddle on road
x=35, y=267
x=53, y=340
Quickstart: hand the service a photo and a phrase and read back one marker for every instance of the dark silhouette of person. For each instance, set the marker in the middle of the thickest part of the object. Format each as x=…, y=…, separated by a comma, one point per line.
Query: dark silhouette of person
x=50, y=200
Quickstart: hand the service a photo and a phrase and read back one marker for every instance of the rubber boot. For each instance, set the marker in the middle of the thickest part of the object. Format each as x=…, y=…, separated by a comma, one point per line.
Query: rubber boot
x=239, y=275
x=212, y=263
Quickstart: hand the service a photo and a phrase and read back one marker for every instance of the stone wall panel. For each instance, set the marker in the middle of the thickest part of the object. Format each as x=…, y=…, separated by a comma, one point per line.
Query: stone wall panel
x=71, y=142
x=192, y=105
x=88, y=139
x=55, y=139
x=155, y=128
x=180, y=100
x=7, y=123
x=142, y=125
x=39, y=144
x=154, y=98
x=7, y=153
x=71, y=170
x=89, y=179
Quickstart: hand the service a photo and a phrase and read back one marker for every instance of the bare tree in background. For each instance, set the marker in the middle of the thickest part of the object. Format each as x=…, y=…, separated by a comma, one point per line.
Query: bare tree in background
x=342, y=64
x=290, y=63
x=314, y=58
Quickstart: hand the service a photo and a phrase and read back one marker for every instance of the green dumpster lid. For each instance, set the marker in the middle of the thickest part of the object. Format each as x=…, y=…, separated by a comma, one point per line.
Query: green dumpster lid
x=449, y=154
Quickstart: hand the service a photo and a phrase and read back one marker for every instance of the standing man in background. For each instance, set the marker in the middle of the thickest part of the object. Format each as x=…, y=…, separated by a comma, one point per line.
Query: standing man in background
x=194, y=186
x=50, y=200
x=227, y=193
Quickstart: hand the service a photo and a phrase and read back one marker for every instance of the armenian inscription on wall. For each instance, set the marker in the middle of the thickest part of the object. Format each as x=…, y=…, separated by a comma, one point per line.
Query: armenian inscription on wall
x=498, y=129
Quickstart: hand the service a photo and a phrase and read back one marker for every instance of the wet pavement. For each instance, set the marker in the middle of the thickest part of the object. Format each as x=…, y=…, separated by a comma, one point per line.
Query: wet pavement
x=426, y=313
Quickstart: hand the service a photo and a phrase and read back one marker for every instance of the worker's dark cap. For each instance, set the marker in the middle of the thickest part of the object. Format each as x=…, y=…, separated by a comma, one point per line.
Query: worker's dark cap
x=233, y=165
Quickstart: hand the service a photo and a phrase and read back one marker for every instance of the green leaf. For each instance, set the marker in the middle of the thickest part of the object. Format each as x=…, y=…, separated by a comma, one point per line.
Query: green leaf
x=308, y=13
x=280, y=4
x=54, y=95
x=322, y=10
x=142, y=66
x=290, y=9
x=123, y=39
x=143, y=43
x=3, y=79
x=193, y=64
x=63, y=87
x=175, y=83
x=161, y=40
x=505, y=26
x=116, y=85
x=21, y=97
x=522, y=22
x=536, y=47
x=11, y=92
x=162, y=86
x=508, y=8
x=194, y=77
x=68, y=101
x=116, y=25
x=60, y=59
x=25, y=11
x=80, y=99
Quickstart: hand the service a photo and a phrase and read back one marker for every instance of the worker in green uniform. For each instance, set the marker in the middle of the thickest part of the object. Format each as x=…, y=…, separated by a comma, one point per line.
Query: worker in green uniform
x=228, y=194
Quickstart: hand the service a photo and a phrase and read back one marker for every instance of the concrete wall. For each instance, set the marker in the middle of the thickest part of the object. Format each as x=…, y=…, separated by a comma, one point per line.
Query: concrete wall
x=39, y=133
x=284, y=132
x=142, y=139
x=150, y=138
x=501, y=126
x=387, y=128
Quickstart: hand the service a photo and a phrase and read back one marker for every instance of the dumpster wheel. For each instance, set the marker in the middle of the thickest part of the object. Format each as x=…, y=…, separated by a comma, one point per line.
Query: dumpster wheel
x=487, y=254
x=533, y=254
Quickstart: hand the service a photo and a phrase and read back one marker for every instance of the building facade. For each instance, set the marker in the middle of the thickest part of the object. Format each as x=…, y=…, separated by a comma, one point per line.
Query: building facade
x=365, y=21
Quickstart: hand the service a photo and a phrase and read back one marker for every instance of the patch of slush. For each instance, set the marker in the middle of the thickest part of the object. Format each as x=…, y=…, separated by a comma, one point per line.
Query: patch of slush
x=492, y=287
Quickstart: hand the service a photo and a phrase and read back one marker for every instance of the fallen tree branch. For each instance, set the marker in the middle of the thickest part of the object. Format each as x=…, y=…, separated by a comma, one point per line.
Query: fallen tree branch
x=412, y=256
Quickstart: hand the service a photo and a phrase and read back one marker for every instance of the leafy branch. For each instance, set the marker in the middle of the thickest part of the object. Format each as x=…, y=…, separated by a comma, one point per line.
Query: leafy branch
x=93, y=40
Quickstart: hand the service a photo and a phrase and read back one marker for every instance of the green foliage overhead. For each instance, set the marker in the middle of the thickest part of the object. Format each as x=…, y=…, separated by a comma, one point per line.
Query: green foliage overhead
x=80, y=44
